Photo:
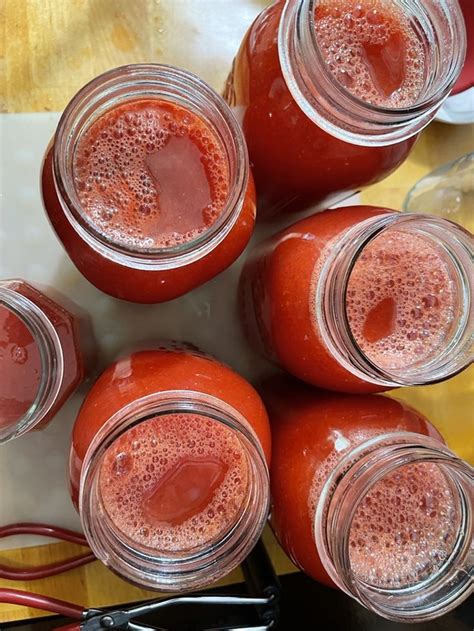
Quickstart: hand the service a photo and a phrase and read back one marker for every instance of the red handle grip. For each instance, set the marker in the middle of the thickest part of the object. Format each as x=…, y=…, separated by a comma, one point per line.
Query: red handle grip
x=27, y=599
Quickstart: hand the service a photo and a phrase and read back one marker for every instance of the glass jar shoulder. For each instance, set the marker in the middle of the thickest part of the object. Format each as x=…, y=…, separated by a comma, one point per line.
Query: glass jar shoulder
x=256, y=65
x=53, y=304
x=319, y=423
x=150, y=372
x=173, y=367
x=312, y=431
x=70, y=322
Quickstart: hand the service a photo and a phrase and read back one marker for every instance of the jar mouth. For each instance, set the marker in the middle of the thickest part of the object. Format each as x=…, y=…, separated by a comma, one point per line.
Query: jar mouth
x=154, y=541
x=337, y=110
x=403, y=303
x=437, y=562
x=51, y=360
x=167, y=84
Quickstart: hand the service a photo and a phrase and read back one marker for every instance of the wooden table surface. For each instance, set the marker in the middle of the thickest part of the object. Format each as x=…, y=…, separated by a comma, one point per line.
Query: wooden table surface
x=48, y=50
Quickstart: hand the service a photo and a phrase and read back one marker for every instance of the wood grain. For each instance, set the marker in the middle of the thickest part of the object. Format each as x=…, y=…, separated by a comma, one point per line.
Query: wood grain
x=51, y=48
x=48, y=50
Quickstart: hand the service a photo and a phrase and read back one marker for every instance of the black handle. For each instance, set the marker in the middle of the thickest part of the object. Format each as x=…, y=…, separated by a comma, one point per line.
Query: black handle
x=262, y=580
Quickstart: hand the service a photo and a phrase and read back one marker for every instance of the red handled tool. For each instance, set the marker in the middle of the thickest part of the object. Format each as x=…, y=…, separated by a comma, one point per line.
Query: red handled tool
x=259, y=573
x=98, y=620
x=42, y=571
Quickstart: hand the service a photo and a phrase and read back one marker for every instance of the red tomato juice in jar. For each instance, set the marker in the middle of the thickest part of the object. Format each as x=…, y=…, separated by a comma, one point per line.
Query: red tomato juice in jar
x=366, y=497
x=361, y=299
x=20, y=367
x=169, y=454
x=147, y=183
x=151, y=173
x=198, y=466
x=332, y=93
x=44, y=342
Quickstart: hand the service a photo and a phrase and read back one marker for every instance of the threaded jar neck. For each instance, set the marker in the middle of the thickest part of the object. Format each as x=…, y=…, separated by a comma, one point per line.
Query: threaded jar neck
x=394, y=527
x=419, y=269
x=129, y=84
x=172, y=567
x=438, y=27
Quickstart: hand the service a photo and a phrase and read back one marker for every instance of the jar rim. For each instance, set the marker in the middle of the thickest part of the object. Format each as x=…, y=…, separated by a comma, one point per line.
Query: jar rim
x=339, y=112
x=331, y=299
x=51, y=357
x=193, y=568
x=170, y=84
x=357, y=473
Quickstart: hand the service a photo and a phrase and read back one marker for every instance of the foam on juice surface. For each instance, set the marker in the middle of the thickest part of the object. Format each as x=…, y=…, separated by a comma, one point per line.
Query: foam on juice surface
x=372, y=49
x=401, y=300
x=151, y=174
x=175, y=482
x=405, y=528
